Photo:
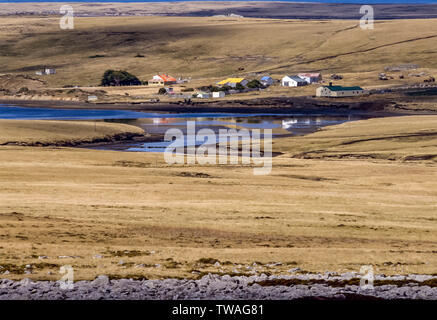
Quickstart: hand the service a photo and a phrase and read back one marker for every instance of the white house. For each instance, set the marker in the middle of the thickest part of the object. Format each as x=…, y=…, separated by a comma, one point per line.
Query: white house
x=218, y=94
x=162, y=79
x=293, y=81
x=203, y=95
x=266, y=81
x=339, y=91
x=310, y=77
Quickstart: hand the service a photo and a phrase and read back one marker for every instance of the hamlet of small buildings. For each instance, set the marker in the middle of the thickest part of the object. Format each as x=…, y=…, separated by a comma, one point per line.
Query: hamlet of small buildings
x=234, y=85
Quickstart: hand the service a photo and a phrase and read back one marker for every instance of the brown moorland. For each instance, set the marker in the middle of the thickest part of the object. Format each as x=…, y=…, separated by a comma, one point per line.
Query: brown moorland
x=132, y=215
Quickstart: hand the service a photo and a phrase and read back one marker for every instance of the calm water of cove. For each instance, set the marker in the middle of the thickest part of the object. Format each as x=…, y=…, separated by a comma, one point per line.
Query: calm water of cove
x=159, y=123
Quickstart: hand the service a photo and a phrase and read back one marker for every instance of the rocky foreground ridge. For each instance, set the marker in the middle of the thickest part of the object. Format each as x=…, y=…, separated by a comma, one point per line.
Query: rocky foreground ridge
x=297, y=286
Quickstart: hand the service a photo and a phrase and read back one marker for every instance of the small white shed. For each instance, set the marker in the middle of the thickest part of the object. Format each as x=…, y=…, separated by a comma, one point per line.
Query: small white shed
x=218, y=94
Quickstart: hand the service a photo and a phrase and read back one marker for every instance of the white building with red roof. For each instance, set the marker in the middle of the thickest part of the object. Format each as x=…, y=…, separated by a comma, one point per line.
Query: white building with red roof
x=162, y=79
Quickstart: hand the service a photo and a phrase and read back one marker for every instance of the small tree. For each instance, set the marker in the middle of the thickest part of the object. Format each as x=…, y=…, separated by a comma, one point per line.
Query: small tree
x=23, y=90
x=162, y=91
x=204, y=88
x=239, y=87
x=225, y=88
x=253, y=84
x=214, y=89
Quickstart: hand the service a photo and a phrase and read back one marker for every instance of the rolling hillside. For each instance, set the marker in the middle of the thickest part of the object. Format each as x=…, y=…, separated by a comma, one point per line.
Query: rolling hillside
x=211, y=48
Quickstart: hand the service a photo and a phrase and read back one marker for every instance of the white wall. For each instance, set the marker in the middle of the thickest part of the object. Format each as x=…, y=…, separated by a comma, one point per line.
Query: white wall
x=325, y=92
x=218, y=94
x=288, y=82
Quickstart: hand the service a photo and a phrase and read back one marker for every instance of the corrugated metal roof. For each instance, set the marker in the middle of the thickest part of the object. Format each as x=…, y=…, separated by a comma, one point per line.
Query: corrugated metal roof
x=296, y=78
x=311, y=75
x=341, y=88
x=167, y=78
x=231, y=80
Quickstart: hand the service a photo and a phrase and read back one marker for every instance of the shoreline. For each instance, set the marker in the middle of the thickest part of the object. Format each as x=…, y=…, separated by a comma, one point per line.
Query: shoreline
x=279, y=105
x=57, y=133
x=117, y=138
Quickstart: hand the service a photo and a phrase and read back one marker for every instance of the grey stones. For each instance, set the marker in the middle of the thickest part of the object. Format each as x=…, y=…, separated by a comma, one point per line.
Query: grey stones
x=100, y=281
x=213, y=286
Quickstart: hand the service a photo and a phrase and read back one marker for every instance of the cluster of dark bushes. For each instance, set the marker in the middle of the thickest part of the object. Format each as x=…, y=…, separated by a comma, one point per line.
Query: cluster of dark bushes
x=23, y=90
x=254, y=84
x=119, y=78
x=212, y=88
x=97, y=56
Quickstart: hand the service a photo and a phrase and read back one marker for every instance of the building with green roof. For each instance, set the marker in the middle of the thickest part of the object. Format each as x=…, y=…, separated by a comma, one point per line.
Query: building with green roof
x=340, y=91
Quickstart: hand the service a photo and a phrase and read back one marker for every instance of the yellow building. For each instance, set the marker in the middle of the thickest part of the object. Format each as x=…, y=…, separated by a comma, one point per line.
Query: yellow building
x=232, y=82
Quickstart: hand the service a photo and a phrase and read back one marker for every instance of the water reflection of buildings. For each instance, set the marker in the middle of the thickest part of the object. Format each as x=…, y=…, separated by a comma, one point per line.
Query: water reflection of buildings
x=301, y=121
x=173, y=120
x=164, y=120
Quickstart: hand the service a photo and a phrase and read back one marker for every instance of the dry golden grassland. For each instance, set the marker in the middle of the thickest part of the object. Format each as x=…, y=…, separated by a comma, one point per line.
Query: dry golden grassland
x=60, y=132
x=396, y=138
x=209, y=49
x=148, y=219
